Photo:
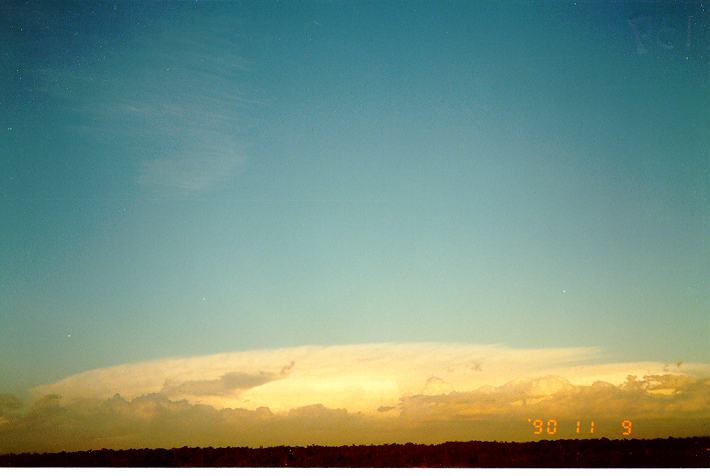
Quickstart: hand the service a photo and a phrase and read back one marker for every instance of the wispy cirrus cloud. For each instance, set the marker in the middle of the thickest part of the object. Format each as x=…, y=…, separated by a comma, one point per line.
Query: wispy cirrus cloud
x=204, y=160
x=171, y=95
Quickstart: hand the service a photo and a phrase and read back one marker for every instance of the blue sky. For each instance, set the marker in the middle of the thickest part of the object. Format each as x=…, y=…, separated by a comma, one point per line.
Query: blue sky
x=180, y=179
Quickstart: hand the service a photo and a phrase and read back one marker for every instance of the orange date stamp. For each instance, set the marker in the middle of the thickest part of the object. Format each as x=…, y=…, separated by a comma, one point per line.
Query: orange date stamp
x=551, y=426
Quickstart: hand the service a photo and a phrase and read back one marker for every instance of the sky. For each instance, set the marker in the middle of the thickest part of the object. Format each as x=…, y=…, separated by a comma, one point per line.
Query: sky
x=232, y=205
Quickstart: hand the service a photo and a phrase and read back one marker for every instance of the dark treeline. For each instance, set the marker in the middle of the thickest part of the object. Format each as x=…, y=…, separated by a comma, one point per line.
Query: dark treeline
x=601, y=453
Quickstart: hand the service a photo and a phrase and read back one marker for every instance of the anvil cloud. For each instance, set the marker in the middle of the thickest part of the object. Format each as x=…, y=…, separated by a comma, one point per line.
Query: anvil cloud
x=373, y=393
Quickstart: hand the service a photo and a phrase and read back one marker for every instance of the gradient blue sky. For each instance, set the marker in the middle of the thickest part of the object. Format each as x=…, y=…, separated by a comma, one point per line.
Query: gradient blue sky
x=189, y=178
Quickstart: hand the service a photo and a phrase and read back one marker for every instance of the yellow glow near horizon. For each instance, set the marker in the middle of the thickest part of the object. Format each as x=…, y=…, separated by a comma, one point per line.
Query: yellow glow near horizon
x=360, y=394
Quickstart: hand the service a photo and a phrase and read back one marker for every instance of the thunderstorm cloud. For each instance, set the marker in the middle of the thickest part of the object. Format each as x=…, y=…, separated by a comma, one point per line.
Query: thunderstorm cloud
x=374, y=393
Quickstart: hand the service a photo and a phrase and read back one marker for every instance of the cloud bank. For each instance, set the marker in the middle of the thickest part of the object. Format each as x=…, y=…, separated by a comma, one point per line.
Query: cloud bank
x=375, y=393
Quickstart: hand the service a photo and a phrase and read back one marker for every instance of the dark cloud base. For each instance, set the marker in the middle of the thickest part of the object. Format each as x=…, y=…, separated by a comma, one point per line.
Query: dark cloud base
x=597, y=453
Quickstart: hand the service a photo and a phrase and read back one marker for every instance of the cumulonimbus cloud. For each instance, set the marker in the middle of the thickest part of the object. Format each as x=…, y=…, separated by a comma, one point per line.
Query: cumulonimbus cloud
x=375, y=393
x=357, y=377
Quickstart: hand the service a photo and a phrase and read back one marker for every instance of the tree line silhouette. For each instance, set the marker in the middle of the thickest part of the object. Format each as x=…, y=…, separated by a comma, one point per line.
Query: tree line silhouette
x=599, y=453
